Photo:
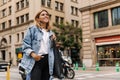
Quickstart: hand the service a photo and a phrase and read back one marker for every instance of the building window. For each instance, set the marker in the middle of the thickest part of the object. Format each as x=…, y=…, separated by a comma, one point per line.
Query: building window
x=17, y=5
x=17, y=20
x=116, y=16
x=27, y=17
x=61, y=20
x=3, y=12
x=56, y=5
x=72, y=21
x=22, y=35
x=3, y=25
x=49, y=3
x=75, y=23
x=22, y=4
x=76, y=11
x=27, y=3
x=61, y=6
x=22, y=19
x=10, y=39
x=10, y=10
x=72, y=10
x=101, y=19
x=57, y=19
x=43, y=2
x=10, y=23
x=18, y=37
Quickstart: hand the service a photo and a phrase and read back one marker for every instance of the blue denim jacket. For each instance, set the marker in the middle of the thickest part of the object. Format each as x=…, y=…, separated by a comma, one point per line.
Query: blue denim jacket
x=31, y=42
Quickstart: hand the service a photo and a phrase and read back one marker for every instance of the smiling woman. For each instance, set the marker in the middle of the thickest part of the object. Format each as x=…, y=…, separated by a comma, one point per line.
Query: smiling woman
x=38, y=55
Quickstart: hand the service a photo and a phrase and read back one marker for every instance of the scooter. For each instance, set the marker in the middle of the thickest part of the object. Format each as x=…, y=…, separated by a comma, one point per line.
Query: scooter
x=68, y=72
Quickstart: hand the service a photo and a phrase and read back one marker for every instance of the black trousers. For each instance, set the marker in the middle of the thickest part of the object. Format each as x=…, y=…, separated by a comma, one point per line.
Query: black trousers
x=41, y=69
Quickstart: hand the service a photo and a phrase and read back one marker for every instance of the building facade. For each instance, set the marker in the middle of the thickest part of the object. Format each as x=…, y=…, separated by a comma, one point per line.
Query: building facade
x=101, y=32
x=17, y=15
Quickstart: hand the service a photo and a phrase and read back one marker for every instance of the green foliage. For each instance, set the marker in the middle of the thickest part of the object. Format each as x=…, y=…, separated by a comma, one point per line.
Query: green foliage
x=69, y=35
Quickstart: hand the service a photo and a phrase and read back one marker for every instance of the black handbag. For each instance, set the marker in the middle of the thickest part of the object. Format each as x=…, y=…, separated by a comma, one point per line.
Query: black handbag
x=58, y=68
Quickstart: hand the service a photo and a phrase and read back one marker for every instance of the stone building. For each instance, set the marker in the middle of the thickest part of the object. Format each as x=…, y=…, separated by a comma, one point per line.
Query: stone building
x=17, y=15
x=101, y=32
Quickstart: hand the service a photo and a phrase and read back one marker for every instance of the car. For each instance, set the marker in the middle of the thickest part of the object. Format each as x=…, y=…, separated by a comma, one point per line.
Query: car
x=4, y=64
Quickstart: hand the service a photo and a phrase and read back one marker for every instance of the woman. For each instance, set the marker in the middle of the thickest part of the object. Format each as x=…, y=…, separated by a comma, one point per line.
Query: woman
x=38, y=59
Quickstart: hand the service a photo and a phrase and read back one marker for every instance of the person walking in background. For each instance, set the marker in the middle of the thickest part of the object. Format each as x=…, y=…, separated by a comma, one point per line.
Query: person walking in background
x=38, y=57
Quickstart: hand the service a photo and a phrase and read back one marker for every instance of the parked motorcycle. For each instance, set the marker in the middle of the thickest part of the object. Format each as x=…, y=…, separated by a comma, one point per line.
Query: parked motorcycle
x=68, y=72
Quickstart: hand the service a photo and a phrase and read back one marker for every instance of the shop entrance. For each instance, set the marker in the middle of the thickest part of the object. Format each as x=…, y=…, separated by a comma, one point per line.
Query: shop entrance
x=108, y=55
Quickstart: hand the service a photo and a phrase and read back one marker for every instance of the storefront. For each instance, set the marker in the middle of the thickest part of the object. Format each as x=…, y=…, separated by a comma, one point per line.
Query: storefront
x=108, y=50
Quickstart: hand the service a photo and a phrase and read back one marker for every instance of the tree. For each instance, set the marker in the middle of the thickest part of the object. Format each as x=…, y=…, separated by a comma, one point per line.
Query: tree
x=68, y=35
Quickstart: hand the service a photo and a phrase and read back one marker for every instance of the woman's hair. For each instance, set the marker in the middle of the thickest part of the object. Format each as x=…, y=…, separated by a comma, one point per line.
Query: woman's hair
x=38, y=23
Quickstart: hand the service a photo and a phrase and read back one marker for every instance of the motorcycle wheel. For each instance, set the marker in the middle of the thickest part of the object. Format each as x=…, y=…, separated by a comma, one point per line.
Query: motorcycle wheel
x=70, y=73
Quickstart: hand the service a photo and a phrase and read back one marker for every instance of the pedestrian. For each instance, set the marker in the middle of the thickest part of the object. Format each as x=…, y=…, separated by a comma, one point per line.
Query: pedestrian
x=38, y=57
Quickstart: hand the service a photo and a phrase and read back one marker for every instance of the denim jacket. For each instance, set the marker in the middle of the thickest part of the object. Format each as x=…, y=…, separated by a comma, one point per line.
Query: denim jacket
x=31, y=43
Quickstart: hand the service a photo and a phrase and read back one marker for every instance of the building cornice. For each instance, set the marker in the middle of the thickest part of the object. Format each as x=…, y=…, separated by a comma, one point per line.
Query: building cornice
x=16, y=26
x=95, y=6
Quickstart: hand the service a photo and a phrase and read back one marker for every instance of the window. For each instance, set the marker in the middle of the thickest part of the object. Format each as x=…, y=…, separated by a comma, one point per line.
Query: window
x=72, y=10
x=75, y=23
x=116, y=16
x=22, y=19
x=56, y=5
x=61, y=6
x=3, y=12
x=18, y=37
x=76, y=11
x=43, y=2
x=22, y=4
x=10, y=39
x=17, y=5
x=61, y=20
x=17, y=20
x=22, y=35
x=49, y=3
x=10, y=10
x=27, y=17
x=101, y=19
x=10, y=23
x=57, y=19
x=27, y=3
x=3, y=25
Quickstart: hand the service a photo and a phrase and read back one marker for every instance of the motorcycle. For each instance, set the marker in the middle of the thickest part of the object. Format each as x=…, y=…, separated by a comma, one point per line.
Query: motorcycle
x=68, y=72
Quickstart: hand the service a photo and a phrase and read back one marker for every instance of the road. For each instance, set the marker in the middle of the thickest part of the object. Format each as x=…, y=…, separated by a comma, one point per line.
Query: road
x=80, y=75
x=14, y=74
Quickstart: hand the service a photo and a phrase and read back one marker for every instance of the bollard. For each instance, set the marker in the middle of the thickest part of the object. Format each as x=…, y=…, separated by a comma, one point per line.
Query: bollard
x=83, y=67
x=117, y=67
x=8, y=73
x=76, y=66
x=97, y=67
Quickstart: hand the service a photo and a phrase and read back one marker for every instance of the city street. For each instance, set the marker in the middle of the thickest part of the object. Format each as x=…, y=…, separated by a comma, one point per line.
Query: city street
x=80, y=74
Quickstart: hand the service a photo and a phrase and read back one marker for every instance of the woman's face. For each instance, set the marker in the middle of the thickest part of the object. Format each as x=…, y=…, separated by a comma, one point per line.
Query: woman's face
x=44, y=17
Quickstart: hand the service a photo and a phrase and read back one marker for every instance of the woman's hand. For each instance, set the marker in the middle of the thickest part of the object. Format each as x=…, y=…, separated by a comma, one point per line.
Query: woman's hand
x=53, y=37
x=36, y=56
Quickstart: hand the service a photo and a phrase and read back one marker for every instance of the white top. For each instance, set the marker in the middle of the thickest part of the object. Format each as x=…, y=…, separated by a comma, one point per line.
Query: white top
x=44, y=43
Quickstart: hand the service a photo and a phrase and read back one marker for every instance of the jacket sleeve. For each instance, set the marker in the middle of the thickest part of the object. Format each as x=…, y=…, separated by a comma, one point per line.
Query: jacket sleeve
x=27, y=43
